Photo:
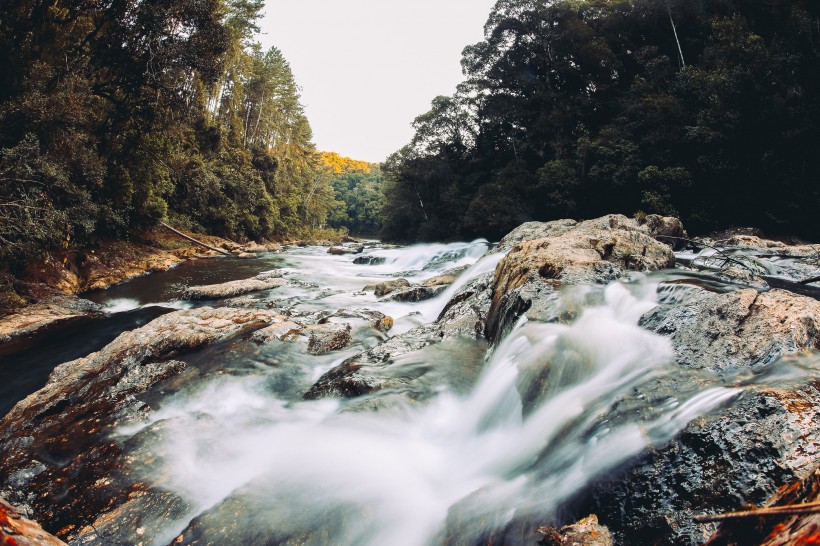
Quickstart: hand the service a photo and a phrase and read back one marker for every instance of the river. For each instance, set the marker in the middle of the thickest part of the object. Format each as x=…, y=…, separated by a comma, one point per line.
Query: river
x=486, y=439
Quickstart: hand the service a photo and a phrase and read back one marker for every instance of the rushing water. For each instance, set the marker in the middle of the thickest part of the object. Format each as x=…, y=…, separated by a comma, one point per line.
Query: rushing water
x=515, y=433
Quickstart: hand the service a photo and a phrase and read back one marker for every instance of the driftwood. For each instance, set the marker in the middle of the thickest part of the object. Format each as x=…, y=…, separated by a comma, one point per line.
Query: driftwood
x=200, y=243
x=788, y=510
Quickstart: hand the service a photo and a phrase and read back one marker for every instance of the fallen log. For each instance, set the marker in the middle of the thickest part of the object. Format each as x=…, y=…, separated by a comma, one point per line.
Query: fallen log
x=200, y=243
x=788, y=510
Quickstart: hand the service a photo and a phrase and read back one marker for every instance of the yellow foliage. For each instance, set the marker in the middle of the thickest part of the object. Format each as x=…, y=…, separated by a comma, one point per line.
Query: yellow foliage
x=337, y=164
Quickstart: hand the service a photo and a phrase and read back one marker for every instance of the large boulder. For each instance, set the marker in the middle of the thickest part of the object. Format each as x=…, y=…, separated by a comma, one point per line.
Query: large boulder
x=731, y=458
x=17, y=530
x=263, y=281
x=57, y=457
x=592, y=252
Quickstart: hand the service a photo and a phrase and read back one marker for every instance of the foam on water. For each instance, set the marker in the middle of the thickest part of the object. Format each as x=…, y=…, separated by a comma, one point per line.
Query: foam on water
x=535, y=429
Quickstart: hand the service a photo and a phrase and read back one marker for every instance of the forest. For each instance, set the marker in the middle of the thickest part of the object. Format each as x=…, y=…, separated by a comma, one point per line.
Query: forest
x=705, y=110
x=117, y=114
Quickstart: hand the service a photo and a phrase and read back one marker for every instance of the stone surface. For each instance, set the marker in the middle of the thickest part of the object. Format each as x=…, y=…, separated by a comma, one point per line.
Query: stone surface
x=417, y=293
x=466, y=312
x=384, y=288
x=264, y=281
x=369, y=260
x=593, y=252
x=741, y=328
x=324, y=338
x=17, y=530
x=447, y=278
x=56, y=455
x=54, y=308
x=342, y=250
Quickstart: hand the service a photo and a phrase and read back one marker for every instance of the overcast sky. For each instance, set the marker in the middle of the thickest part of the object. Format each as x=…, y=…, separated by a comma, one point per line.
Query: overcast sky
x=367, y=68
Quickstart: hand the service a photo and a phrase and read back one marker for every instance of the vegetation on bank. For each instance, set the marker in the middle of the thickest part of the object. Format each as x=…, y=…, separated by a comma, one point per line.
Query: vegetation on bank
x=576, y=108
x=117, y=114
x=358, y=189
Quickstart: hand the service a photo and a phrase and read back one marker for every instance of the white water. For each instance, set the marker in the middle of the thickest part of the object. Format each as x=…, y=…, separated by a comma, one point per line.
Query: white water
x=233, y=448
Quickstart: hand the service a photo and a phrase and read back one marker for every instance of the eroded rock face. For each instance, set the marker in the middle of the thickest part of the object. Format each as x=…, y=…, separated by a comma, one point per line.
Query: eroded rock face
x=731, y=458
x=417, y=293
x=17, y=530
x=54, y=308
x=264, y=281
x=741, y=328
x=342, y=250
x=592, y=252
x=586, y=532
x=56, y=454
x=387, y=287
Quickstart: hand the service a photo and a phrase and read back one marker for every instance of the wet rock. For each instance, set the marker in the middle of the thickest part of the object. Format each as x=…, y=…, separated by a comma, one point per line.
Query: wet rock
x=666, y=229
x=369, y=260
x=17, y=530
x=264, y=281
x=246, y=255
x=466, y=312
x=360, y=317
x=447, y=278
x=324, y=338
x=384, y=288
x=586, y=532
x=370, y=371
x=342, y=250
x=733, y=457
x=51, y=309
x=593, y=252
x=741, y=328
x=531, y=231
x=280, y=329
x=56, y=454
x=417, y=293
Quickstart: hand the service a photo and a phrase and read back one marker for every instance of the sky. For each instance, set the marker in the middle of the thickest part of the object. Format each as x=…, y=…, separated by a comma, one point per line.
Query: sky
x=367, y=68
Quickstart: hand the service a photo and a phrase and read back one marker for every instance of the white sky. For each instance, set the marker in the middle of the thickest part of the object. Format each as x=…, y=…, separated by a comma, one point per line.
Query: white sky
x=367, y=68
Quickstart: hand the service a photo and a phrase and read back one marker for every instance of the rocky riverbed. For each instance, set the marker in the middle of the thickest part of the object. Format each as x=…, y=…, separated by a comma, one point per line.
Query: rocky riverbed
x=442, y=394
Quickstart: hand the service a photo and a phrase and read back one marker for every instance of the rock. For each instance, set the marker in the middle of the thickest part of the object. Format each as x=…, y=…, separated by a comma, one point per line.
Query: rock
x=466, y=312
x=667, y=229
x=280, y=329
x=369, y=260
x=737, y=329
x=593, y=252
x=531, y=231
x=64, y=430
x=324, y=338
x=360, y=317
x=417, y=293
x=586, y=532
x=17, y=530
x=50, y=310
x=730, y=458
x=263, y=281
x=447, y=278
x=342, y=250
x=370, y=371
x=246, y=255
x=384, y=288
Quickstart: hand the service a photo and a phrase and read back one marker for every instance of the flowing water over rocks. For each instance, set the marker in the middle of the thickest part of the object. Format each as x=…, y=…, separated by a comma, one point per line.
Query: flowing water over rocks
x=434, y=394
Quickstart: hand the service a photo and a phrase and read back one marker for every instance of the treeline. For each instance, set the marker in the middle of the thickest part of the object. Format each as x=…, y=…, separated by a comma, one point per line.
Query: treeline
x=115, y=114
x=709, y=110
x=358, y=192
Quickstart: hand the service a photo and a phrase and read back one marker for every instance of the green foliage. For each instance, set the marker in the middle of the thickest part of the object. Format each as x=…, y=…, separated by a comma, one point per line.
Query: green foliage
x=577, y=108
x=115, y=115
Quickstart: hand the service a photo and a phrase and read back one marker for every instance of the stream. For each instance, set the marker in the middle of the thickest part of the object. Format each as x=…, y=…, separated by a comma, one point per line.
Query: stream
x=487, y=439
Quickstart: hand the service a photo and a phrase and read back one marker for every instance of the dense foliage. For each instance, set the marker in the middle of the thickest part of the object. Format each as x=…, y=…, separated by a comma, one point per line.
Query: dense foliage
x=704, y=109
x=119, y=113
x=358, y=193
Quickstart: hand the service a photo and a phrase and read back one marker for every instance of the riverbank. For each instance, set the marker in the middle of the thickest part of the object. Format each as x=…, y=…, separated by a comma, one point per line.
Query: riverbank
x=49, y=291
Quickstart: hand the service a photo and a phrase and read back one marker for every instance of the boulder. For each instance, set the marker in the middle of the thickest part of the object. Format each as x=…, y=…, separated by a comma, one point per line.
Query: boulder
x=447, y=278
x=51, y=309
x=586, y=532
x=417, y=293
x=342, y=250
x=593, y=252
x=263, y=281
x=384, y=288
x=64, y=430
x=359, y=317
x=466, y=312
x=731, y=458
x=370, y=371
x=737, y=329
x=369, y=260
x=324, y=338
x=666, y=229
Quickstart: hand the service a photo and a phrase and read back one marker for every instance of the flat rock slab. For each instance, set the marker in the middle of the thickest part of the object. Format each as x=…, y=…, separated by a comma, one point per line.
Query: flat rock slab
x=265, y=281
